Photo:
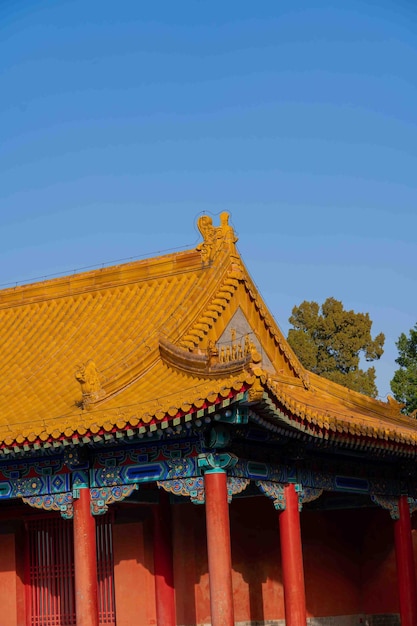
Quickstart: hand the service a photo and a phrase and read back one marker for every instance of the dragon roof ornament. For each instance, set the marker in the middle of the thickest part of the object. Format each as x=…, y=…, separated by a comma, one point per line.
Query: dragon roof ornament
x=215, y=237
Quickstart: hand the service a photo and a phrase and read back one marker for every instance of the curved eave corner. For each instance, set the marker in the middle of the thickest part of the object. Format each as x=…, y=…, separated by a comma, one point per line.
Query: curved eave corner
x=380, y=437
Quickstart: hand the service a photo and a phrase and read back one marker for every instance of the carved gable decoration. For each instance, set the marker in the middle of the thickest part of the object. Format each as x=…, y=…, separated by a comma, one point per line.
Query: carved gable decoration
x=211, y=362
x=238, y=330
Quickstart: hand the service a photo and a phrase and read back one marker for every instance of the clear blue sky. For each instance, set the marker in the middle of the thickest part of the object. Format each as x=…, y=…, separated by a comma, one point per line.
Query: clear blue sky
x=120, y=122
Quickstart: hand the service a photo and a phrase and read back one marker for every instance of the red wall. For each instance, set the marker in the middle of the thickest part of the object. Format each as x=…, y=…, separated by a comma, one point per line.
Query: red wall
x=256, y=562
x=190, y=564
x=379, y=575
x=133, y=574
x=11, y=581
x=256, y=558
x=332, y=562
x=349, y=564
x=8, y=580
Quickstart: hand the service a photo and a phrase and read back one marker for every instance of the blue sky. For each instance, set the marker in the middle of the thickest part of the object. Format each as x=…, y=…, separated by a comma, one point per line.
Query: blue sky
x=121, y=122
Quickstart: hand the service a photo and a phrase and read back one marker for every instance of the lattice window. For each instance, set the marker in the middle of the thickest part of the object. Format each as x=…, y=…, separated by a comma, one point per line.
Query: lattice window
x=51, y=573
x=50, y=560
x=105, y=569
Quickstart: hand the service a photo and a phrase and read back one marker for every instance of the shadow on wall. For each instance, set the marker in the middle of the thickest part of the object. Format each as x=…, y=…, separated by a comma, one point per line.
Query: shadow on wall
x=255, y=557
x=349, y=563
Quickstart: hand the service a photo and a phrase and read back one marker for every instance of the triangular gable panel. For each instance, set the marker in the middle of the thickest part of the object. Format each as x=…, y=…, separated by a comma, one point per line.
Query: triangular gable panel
x=233, y=300
x=236, y=332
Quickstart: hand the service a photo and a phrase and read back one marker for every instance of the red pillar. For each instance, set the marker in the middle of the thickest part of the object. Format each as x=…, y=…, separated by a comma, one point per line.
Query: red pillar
x=218, y=548
x=163, y=562
x=292, y=560
x=85, y=561
x=406, y=577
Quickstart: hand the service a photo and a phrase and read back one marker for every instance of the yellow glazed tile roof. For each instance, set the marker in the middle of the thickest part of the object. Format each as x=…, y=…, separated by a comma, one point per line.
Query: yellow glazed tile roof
x=134, y=345
x=332, y=412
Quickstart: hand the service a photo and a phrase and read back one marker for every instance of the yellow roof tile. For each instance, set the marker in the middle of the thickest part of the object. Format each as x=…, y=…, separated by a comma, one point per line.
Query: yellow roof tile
x=85, y=353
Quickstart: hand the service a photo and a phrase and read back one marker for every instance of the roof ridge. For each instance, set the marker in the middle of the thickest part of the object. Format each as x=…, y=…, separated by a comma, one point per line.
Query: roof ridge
x=215, y=240
x=101, y=278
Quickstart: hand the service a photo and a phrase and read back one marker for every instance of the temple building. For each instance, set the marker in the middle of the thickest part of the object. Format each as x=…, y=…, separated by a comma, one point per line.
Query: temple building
x=166, y=460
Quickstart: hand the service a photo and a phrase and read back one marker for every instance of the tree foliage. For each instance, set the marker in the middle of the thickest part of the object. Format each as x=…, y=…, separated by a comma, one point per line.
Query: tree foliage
x=404, y=382
x=329, y=341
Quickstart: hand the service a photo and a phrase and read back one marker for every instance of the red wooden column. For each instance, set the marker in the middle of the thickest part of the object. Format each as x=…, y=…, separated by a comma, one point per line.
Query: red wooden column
x=163, y=562
x=292, y=560
x=406, y=577
x=218, y=547
x=85, y=561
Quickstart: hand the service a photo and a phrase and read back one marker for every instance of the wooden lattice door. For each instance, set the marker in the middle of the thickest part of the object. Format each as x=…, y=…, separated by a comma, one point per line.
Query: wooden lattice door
x=105, y=570
x=50, y=572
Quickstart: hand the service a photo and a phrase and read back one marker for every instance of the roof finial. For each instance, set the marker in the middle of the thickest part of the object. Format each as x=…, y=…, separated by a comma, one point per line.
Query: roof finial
x=215, y=237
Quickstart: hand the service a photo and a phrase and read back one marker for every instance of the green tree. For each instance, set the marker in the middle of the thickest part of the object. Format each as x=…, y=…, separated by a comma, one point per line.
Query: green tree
x=404, y=381
x=329, y=341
